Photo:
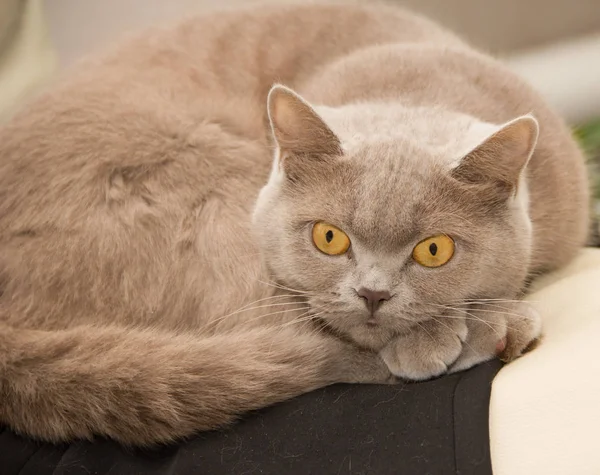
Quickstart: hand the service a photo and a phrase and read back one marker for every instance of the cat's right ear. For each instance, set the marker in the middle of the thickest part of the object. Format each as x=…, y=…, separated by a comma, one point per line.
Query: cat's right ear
x=502, y=157
x=297, y=129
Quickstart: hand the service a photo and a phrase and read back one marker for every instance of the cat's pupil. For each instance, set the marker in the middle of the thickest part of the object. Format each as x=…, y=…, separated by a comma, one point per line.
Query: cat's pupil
x=433, y=248
x=329, y=236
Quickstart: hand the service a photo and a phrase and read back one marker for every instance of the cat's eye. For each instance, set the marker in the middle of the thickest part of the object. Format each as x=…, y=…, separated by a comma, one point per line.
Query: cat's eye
x=329, y=239
x=434, y=251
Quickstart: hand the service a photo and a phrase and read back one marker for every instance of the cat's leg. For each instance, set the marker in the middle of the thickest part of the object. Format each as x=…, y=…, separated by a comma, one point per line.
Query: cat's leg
x=505, y=329
x=428, y=350
x=146, y=387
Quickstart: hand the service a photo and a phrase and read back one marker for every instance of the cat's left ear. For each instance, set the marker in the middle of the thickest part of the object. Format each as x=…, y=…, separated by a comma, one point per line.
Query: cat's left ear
x=297, y=128
x=502, y=157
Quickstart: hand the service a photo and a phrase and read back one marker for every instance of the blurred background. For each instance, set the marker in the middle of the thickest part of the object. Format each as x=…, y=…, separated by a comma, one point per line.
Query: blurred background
x=554, y=44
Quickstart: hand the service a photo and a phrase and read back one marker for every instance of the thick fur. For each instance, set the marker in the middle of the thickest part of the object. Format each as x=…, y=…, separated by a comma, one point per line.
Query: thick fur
x=144, y=296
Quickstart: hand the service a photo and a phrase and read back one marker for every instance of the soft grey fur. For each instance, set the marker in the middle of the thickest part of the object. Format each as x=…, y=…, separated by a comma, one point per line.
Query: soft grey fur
x=149, y=288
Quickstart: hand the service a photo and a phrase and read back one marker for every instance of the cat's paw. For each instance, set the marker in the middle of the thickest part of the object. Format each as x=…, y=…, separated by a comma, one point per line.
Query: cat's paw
x=427, y=351
x=523, y=331
x=503, y=329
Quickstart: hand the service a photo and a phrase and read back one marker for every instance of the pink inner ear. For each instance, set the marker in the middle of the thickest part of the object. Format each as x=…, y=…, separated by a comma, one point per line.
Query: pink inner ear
x=502, y=157
x=518, y=138
x=285, y=112
x=296, y=126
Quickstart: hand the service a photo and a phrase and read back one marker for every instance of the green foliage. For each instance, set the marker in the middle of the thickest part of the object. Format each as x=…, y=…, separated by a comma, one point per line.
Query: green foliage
x=588, y=136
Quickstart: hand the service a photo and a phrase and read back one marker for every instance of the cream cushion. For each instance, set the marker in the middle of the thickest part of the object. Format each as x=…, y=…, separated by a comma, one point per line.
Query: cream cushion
x=545, y=407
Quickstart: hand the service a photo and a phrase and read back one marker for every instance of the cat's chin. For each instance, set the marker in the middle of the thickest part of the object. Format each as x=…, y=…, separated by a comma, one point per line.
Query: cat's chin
x=372, y=337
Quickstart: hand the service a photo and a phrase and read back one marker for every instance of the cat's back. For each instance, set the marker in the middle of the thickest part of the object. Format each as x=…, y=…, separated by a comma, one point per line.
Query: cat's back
x=215, y=67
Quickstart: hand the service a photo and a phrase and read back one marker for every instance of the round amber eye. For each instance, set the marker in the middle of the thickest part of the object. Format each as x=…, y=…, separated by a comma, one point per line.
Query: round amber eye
x=434, y=251
x=329, y=239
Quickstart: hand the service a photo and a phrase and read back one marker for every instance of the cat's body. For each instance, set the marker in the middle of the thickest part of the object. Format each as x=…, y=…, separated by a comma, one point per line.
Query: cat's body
x=136, y=299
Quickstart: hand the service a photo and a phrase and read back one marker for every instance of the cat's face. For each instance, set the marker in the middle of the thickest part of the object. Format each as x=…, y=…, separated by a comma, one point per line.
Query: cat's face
x=386, y=234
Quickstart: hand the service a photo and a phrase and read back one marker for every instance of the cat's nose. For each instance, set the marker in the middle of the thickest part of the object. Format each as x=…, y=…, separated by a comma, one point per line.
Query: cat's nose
x=373, y=298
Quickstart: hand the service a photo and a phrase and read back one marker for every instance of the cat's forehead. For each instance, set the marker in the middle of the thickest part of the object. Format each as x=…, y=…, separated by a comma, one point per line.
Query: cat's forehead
x=399, y=190
x=383, y=196
x=394, y=182
x=435, y=134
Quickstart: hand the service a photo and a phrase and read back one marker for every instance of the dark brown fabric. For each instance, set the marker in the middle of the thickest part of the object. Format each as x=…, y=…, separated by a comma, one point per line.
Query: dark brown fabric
x=435, y=427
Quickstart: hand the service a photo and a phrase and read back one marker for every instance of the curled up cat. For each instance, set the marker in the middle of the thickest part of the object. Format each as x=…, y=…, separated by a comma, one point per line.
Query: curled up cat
x=252, y=204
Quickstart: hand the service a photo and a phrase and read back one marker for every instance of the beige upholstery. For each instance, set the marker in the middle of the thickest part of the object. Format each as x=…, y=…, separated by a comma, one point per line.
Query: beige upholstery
x=545, y=408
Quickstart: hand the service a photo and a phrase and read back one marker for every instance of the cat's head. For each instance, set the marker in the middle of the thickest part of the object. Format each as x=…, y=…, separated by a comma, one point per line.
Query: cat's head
x=385, y=215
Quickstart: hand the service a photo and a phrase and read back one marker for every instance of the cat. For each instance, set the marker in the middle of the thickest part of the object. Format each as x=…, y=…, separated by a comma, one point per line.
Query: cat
x=251, y=204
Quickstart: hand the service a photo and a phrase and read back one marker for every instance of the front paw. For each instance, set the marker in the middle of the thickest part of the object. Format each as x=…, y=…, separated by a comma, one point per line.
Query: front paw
x=523, y=331
x=427, y=351
x=505, y=329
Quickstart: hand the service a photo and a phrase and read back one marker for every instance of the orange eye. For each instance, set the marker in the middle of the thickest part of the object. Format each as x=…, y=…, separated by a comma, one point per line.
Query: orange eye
x=329, y=239
x=434, y=251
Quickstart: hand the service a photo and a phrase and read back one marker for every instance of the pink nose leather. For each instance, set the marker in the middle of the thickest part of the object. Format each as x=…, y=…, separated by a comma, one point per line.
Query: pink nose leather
x=373, y=298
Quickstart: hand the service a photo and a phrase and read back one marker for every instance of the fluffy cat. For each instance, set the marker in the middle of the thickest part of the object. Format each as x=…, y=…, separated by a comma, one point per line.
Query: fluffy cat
x=161, y=273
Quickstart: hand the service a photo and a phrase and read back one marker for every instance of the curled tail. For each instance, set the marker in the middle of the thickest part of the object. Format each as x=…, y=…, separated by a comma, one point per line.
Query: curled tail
x=141, y=388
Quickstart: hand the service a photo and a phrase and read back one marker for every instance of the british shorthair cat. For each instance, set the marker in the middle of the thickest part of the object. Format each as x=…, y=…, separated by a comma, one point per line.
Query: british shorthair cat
x=182, y=239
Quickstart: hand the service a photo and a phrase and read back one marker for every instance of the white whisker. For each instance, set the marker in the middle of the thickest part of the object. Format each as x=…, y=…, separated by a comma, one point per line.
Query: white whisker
x=501, y=312
x=248, y=307
x=451, y=330
x=475, y=318
x=280, y=312
x=283, y=287
x=427, y=331
x=303, y=319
